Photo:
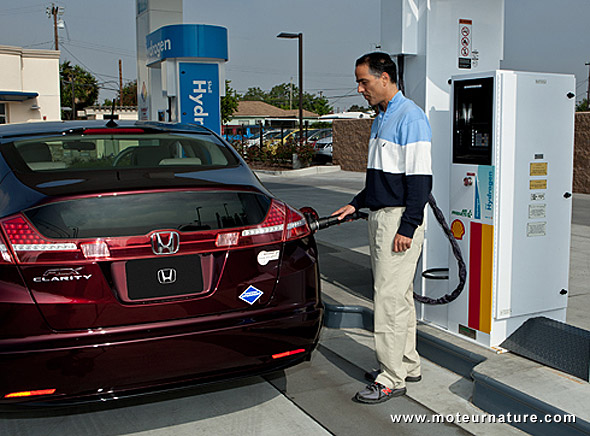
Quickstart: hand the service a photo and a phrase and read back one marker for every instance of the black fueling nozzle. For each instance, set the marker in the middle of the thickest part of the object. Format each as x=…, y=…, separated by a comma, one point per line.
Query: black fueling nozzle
x=316, y=223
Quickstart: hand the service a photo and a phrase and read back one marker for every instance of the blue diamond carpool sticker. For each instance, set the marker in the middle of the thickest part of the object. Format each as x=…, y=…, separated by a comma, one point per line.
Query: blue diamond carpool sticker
x=251, y=295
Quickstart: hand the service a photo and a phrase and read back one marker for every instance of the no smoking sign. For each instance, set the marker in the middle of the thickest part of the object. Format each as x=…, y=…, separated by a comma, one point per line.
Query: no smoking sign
x=464, y=46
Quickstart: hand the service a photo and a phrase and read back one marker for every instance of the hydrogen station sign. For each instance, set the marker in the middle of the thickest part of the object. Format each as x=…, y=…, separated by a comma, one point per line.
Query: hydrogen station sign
x=186, y=74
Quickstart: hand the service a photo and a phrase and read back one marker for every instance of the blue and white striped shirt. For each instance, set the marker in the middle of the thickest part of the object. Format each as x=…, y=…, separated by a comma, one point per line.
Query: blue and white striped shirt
x=399, y=169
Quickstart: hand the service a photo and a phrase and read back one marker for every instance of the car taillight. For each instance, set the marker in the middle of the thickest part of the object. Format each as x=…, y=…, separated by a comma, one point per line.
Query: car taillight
x=269, y=231
x=29, y=246
x=95, y=250
x=30, y=393
x=282, y=223
x=5, y=256
x=112, y=131
x=296, y=225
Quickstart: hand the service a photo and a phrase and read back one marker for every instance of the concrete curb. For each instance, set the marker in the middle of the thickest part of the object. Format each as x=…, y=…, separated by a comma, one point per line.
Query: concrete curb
x=489, y=394
x=498, y=398
x=319, y=169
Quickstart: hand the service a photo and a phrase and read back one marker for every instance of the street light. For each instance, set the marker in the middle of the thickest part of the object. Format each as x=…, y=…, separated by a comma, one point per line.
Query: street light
x=298, y=36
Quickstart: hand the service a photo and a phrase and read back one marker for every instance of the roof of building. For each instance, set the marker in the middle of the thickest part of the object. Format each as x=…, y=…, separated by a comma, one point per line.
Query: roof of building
x=306, y=114
x=265, y=110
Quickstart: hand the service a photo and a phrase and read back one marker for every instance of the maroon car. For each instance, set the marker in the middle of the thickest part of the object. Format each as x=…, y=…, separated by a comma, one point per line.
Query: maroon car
x=140, y=257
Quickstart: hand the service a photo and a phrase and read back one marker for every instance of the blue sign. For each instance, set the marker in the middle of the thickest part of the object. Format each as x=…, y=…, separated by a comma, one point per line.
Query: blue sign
x=199, y=95
x=187, y=41
x=477, y=207
x=251, y=295
x=485, y=174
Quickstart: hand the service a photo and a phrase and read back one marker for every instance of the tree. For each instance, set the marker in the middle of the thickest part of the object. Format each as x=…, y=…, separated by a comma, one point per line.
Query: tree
x=254, y=94
x=129, y=94
x=75, y=79
x=358, y=108
x=321, y=106
x=229, y=103
x=287, y=94
x=583, y=106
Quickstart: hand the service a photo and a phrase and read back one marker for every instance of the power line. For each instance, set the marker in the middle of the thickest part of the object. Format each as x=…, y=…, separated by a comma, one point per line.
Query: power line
x=23, y=10
x=38, y=44
x=347, y=95
x=90, y=70
x=102, y=48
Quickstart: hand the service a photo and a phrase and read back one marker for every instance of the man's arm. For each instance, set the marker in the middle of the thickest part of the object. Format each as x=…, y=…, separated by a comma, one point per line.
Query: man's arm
x=418, y=189
x=418, y=178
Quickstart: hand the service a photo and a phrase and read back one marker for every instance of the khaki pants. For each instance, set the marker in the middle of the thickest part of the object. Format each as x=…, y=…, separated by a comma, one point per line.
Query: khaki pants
x=395, y=315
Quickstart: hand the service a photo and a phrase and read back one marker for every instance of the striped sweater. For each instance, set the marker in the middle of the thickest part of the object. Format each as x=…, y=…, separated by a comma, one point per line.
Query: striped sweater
x=399, y=168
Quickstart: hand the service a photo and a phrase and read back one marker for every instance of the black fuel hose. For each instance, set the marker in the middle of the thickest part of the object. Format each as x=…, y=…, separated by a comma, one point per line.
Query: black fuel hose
x=315, y=223
x=445, y=299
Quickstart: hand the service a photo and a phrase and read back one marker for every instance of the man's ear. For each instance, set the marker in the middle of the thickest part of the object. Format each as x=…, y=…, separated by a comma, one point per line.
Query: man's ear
x=385, y=79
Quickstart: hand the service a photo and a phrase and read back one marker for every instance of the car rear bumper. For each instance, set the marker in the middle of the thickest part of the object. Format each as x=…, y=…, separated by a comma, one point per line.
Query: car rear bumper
x=117, y=362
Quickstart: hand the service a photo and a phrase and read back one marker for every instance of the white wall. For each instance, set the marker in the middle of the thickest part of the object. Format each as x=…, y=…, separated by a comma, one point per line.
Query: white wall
x=24, y=70
x=432, y=27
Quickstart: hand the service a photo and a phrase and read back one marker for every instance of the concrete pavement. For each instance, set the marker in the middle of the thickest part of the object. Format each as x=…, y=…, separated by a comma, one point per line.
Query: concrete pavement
x=499, y=383
x=314, y=398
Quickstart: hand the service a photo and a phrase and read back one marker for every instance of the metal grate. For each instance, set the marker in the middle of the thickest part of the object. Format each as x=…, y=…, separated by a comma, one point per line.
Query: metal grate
x=553, y=343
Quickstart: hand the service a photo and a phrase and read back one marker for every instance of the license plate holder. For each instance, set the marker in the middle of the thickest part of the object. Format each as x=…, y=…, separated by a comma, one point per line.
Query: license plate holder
x=164, y=277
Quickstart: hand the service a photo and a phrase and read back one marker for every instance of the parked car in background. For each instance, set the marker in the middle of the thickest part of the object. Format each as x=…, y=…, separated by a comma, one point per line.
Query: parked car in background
x=238, y=133
x=317, y=135
x=323, y=149
x=268, y=137
x=143, y=256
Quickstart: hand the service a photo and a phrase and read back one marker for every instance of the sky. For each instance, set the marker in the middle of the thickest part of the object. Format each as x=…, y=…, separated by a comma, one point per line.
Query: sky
x=540, y=35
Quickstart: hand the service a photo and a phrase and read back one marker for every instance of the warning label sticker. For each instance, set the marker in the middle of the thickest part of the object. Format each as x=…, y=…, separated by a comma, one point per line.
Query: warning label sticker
x=536, y=229
x=538, y=184
x=537, y=211
x=539, y=169
x=465, y=37
x=538, y=196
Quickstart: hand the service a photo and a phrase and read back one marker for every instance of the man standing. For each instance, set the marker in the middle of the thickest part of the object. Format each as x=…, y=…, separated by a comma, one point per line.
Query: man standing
x=398, y=182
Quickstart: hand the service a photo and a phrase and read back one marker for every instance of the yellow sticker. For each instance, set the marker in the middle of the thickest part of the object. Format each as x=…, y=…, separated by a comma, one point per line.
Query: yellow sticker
x=538, y=169
x=538, y=184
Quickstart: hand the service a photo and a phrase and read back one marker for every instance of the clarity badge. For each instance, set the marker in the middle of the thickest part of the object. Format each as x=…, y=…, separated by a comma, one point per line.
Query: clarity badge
x=251, y=295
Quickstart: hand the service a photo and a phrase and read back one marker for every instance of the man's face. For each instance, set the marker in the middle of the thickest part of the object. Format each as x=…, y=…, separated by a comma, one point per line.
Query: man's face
x=374, y=89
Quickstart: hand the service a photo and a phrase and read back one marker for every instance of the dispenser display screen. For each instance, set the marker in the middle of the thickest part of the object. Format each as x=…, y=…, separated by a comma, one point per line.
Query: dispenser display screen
x=473, y=121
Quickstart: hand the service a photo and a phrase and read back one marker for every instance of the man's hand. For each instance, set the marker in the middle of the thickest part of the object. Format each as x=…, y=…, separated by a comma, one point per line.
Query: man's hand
x=344, y=211
x=401, y=243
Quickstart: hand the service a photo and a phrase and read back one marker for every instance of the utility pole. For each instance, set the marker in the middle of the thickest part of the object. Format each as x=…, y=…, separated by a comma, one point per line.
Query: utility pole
x=290, y=93
x=120, y=84
x=298, y=36
x=54, y=11
x=73, y=97
x=588, y=87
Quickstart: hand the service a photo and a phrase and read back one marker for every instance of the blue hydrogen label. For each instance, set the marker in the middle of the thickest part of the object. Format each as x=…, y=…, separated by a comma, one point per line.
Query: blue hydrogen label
x=186, y=41
x=477, y=206
x=485, y=174
x=251, y=295
x=199, y=95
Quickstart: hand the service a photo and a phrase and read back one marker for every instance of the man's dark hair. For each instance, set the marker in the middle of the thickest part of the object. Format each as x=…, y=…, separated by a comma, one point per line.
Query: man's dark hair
x=379, y=63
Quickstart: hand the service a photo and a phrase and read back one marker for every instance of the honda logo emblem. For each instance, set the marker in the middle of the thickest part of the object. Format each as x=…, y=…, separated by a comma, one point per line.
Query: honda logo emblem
x=165, y=243
x=166, y=276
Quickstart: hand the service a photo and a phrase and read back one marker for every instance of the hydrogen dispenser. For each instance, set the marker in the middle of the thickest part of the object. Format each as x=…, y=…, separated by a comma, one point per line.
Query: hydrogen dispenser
x=510, y=199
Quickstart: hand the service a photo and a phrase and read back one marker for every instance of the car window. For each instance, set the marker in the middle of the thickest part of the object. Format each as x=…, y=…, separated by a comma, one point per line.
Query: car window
x=103, y=151
x=188, y=211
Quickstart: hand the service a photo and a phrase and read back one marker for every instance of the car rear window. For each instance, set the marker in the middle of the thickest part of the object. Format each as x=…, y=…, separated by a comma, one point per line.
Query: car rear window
x=108, y=151
x=139, y=214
